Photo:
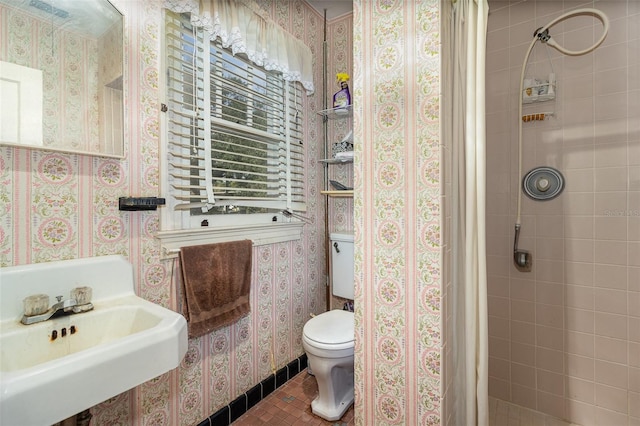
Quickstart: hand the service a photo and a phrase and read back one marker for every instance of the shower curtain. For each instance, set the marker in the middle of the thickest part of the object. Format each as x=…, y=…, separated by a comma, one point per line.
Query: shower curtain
x=464, y=133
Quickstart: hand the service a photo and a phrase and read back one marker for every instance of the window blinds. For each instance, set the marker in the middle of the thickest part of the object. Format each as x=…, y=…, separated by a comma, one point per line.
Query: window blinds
x=234, y=129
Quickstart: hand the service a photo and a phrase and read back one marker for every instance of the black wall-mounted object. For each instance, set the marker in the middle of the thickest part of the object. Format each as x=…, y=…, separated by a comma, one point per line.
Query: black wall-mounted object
x=139, y=203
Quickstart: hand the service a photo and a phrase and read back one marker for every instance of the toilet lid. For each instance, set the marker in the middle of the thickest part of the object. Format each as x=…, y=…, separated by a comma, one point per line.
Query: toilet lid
x=332, y=327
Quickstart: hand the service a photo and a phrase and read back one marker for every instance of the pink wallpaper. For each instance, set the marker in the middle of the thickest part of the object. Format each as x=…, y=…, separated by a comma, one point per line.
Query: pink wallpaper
x=61, y=206
x=339, y=59
x=564, y=338
x=64, y=206
x=397, y=212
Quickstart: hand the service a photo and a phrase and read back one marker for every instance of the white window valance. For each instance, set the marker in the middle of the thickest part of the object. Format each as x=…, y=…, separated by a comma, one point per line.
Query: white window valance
x=245, y=30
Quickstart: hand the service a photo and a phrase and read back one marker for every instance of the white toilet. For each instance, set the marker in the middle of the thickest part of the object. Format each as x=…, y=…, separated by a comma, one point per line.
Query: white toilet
x=328, y=339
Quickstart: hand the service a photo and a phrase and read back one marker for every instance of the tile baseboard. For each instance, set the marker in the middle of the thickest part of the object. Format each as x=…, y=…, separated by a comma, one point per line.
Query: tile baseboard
x=236, y=408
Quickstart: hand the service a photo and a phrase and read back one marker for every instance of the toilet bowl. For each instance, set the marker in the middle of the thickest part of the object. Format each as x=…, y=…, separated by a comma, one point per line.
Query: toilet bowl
x=328, y=341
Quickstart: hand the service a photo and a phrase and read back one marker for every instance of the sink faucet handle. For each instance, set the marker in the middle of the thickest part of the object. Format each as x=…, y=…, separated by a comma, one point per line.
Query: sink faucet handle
x=36, y=304
x=82, y=295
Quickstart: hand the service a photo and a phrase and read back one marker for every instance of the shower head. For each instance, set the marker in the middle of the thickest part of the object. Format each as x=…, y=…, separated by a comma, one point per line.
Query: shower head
x=542, y=33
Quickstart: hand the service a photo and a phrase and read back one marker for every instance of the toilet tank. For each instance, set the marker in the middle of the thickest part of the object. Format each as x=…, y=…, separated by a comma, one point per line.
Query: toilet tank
x=342, y=265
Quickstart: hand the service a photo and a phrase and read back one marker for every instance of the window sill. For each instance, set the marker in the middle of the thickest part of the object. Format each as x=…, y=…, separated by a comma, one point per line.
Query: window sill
x=261, y=234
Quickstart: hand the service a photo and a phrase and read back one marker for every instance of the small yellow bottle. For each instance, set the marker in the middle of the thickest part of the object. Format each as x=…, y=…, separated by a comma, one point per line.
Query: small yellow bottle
x=342, y=98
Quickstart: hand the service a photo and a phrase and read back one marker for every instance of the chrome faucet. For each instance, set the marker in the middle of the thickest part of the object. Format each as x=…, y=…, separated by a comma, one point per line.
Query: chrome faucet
x=67, y=306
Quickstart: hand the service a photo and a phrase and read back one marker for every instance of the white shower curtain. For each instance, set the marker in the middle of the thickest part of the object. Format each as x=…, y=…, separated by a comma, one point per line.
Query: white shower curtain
x=464, y=130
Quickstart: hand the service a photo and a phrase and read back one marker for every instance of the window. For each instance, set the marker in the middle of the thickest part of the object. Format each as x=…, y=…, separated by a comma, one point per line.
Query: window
x=234, y=152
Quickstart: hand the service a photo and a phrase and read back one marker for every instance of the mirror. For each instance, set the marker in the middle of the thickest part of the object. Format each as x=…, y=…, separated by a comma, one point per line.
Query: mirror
x=61, y=76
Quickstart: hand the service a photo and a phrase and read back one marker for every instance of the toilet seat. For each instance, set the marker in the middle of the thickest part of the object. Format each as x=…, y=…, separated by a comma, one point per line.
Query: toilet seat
x=332, y=330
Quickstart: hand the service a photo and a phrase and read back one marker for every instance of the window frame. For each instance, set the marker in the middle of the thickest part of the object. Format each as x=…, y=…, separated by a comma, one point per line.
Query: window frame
x=180, y=227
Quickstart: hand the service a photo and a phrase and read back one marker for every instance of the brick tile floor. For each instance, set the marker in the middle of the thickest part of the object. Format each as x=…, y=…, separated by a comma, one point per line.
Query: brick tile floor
x=291, y=405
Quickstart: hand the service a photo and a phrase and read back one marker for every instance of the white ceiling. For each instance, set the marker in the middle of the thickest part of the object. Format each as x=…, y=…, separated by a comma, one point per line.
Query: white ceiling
x=334, y=8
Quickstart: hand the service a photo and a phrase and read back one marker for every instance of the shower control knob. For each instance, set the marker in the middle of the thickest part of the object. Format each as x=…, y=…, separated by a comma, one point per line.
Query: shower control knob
x=543, y=184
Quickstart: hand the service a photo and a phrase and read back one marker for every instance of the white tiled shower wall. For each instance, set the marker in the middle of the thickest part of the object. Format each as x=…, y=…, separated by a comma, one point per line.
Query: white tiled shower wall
x=564, y=338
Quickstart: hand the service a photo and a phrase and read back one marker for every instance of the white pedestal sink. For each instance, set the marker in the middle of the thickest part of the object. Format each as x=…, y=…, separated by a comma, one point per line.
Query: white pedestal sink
x=54, y=369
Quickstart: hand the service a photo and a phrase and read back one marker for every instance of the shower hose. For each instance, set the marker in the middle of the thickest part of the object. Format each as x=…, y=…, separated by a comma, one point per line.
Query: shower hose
x=521, y=257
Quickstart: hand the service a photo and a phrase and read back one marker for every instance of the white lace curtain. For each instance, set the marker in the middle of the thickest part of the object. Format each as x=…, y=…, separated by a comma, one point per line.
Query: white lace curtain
x=244, y=28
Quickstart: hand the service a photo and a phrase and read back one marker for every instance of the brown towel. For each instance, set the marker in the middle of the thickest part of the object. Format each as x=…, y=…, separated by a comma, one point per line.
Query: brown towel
x=216, y=282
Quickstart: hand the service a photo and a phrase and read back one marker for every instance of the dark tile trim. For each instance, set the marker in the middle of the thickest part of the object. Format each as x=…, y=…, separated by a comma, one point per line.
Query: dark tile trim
x=238, y=407
x=282, y=376
x=304, y=363
x=268, y=385
x=293, y=367
x=254, y=395
x=221, y=418
x=230, y=413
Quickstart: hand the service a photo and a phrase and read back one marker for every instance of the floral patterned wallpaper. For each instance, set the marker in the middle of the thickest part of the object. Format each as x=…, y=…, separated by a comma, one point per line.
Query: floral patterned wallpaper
x=61, y=206
x=57, y=206
x=339, y=59
x=397, y=212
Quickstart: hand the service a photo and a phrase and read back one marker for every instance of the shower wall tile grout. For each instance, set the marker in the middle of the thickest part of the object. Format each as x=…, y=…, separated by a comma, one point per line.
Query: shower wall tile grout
x=563, y=338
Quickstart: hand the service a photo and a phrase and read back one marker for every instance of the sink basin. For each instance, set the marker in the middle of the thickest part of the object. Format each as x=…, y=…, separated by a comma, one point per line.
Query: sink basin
x=54, y=369
x=26, y=347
